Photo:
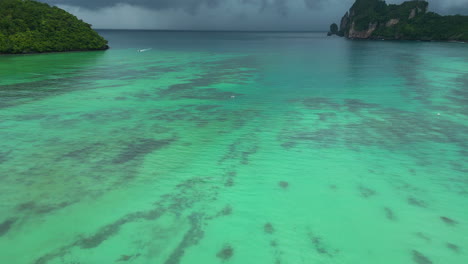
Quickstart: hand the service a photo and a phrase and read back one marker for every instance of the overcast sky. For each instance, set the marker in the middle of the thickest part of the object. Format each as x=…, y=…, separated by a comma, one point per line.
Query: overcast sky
x=223, y=14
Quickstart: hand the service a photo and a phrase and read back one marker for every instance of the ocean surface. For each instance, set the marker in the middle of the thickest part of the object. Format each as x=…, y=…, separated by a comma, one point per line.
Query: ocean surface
x=235, y=147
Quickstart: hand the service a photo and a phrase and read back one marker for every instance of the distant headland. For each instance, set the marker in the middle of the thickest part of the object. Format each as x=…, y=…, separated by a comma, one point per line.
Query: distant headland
x=374, y=19
x=27, y=26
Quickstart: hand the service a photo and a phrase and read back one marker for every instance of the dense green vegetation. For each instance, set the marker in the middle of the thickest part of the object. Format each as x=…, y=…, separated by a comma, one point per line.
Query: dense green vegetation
x=410, y=20
x=430, y=26
x=372, y=11
x=28, y=26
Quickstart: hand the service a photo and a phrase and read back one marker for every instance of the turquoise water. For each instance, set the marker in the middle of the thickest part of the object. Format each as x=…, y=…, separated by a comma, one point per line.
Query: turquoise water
x=235, y=148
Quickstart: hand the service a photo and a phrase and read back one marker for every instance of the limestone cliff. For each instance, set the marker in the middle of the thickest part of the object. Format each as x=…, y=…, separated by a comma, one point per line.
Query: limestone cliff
x=374, y=19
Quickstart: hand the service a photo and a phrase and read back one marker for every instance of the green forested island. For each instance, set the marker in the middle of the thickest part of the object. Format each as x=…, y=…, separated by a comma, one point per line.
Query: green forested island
x=28, y=26
x=374, y=19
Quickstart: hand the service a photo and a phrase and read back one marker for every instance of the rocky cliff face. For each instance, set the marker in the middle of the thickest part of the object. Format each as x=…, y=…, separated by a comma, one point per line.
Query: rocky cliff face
x=366, y=16
x=344, y=25
x=374, y=19
x=362, y=34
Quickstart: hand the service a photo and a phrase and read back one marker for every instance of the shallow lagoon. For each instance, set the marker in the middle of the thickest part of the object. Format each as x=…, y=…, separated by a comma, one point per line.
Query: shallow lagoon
x=235, y=147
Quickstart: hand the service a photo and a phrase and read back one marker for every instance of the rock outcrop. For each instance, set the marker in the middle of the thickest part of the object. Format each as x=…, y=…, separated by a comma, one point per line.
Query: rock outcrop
x=333, y=29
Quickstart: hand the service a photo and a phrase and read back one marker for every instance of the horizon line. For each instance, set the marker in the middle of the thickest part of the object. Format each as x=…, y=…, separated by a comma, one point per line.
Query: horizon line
x=214, y=30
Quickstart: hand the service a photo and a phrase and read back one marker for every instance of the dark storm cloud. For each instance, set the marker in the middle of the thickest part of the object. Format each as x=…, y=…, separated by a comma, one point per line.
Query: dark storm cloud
x=314, y=3
x=280, y=6
x=444, y=7
x=191, y=6
x=452, y=8
x=224, y=14
x=187, y=5
x=462, y=9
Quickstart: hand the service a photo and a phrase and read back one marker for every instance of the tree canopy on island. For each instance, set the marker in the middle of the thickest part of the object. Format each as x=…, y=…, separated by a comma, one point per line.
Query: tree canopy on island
x=28, y=26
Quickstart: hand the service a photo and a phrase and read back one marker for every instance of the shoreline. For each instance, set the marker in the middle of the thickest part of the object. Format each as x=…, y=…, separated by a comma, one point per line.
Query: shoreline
x=416, y=40
x=53, y=52
x=408, y=40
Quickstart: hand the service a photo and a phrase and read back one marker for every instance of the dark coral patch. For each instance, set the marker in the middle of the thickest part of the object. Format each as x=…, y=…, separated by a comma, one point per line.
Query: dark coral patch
x=448, y=221
x=50, y=208
x=321, y=247
x=124, y=258
x=229, y=182
x=389, y=214
x=366, y=192
x=227, y=210
x=127, y=257
x=417, y=202
x=83, y=153
x=268, y=228
x=283, y=184
x=191, y=237
x=26, y=206
x=320, y=102
x=453, y=247
x=207, y=107
x=225, y=253
x=210, y=94
x=419, y=258
x=326, y=116
x=288, y=145
x=423, y=236
x=355, y=105
x=139, y=148
x=240, y=150
x=110, y=230
x=4, y=156
x=230, y=178
x=35, y=208
x=6, y=225
x=102, y=235
x=197, y=89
